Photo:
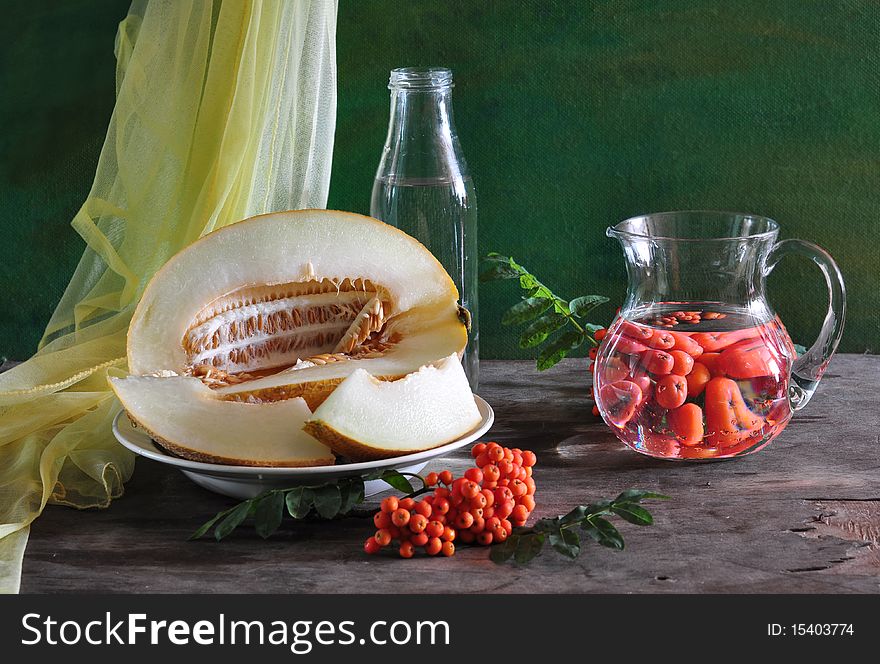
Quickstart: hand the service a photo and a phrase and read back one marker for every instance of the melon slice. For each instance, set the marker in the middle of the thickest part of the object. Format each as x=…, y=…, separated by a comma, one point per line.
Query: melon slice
x=304, y=289
x=365, y=418
x=184, y=416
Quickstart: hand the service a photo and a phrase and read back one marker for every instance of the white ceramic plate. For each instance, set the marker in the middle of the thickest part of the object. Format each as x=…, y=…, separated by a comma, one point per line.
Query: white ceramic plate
x=246, y=482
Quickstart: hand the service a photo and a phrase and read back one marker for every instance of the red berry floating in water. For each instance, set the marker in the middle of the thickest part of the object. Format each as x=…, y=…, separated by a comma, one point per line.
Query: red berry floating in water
x=620, y=400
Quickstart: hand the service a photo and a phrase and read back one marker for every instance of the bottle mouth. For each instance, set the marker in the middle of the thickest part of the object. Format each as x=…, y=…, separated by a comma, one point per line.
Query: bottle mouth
x=420, y=78
x=696, y=226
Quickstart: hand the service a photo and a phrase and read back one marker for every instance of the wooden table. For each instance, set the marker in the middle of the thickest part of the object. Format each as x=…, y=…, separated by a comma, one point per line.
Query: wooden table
x=801, y=516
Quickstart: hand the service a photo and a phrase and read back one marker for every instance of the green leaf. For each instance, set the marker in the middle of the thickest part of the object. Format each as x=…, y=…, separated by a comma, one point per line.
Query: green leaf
x=352, y=492
x=576, y=515
x=633, y=513
x=604, y=532
x=528, y=547
x=566, y=542
x=299, y=502
x=529, y=282
x=599, y=507
x=327, y=501
x=539, y=330
x=503, y=552
x=581, y=306
x=232, y=520
x=397, y=481
x=526, y=310
x=637, y=495
x=800, y=350
x=545, y=525
x=268, y=513
x=205, y=527
x=499, y=272
x=559, y=348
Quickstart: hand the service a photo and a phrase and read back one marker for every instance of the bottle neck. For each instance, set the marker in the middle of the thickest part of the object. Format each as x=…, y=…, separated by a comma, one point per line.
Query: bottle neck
x=422, y=142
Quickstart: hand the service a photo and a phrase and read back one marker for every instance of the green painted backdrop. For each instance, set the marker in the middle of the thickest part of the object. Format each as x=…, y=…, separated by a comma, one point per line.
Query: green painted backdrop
x=572, y=114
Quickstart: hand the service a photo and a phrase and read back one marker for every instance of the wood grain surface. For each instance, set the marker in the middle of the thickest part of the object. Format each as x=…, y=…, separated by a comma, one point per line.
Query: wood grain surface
x=803, y=515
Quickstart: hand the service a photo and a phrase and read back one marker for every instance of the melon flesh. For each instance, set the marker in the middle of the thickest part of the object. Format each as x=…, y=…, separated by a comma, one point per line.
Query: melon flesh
x=365, y=418
x=186, y=418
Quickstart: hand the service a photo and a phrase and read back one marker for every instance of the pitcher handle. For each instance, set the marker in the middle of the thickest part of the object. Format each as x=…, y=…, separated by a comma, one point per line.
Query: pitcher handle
x=807, y=370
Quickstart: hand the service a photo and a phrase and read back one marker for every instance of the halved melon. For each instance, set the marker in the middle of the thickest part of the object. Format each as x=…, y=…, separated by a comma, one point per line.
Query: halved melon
x=366, y=418
x=186, y=418
x=288, y=304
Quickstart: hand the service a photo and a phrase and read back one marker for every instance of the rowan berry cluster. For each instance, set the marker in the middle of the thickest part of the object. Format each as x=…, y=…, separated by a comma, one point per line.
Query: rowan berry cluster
x=481, y=507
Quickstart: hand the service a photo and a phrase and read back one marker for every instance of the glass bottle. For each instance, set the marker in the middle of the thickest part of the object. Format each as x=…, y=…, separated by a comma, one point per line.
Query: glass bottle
x=423, y=186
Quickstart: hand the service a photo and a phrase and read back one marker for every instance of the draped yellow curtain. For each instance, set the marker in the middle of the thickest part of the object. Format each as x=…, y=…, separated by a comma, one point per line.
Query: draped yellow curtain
x=224, y=109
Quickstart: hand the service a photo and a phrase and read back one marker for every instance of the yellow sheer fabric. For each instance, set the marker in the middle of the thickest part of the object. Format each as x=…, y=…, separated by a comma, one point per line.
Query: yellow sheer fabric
x=224, y=109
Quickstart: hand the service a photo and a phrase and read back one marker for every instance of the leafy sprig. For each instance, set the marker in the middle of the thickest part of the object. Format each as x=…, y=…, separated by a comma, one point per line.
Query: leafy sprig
x=545, y=312
x=526, y=543
x=327, y=501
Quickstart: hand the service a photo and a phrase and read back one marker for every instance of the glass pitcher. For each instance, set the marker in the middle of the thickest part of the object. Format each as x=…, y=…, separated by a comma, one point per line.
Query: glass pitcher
x=697, y=365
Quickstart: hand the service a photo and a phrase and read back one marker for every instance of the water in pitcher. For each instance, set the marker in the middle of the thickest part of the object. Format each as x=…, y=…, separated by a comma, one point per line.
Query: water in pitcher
x=441, y=214
x=695, y=380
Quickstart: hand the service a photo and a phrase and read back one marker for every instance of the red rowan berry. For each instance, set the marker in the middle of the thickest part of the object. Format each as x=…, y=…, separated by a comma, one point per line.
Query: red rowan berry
x=474, y=475
x=400, y=517
x=528, y=502
x=434, y=529
x=432, y=548
x=417, y=523
x=519, y=513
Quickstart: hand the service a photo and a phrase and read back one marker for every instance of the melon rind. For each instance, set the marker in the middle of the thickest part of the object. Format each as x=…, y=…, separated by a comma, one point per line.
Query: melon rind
x=184, y=417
